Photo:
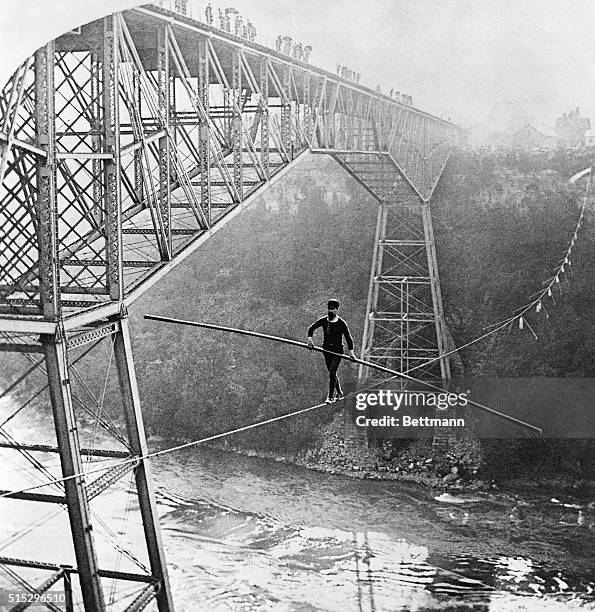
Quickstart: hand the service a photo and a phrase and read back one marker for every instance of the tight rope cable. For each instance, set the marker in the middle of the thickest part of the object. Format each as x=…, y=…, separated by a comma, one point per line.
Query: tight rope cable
x=375, y=366
x=137, y=459
x=165, y=451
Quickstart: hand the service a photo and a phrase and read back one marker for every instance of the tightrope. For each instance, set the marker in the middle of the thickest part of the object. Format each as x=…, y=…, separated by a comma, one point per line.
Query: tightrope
x=138, y=458
x=375, y=366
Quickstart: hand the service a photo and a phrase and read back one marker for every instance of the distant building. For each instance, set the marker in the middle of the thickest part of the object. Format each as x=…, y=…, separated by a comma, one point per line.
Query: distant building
x=530, y=137
x=506, y=119
x=571, y=128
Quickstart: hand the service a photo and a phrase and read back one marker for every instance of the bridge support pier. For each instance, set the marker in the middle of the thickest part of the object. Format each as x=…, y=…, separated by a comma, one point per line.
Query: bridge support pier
x=58, y=376
x=404, y=327
x=142, y=473
x=69, y=395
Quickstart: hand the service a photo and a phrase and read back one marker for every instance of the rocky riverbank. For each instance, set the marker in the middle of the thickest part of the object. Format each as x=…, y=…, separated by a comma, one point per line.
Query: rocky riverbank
x=417, y=461
x=461, y=469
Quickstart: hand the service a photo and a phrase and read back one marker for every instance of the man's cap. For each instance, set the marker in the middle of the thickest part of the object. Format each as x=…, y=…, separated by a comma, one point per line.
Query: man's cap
x=332, y=304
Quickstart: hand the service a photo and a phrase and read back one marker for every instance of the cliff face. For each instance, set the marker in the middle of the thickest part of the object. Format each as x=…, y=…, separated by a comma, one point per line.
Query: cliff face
x=503, y=221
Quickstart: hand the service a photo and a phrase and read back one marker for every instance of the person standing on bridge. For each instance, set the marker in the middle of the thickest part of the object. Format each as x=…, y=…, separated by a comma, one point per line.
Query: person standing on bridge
x=209, y=14
x=334, y=328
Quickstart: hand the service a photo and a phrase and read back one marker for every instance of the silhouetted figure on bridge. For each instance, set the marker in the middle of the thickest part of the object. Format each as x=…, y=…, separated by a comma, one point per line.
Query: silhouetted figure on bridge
x=209, y=14
x=334, y=329
x=238, y=25
x=287, y=45
x=227, y=18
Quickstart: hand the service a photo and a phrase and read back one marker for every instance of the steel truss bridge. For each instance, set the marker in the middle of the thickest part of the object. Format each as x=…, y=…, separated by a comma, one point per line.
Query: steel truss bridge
x=125, y=145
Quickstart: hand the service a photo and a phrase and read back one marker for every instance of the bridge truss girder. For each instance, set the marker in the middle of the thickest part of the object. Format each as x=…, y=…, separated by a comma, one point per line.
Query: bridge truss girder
x=123, y=148
x=158, y=127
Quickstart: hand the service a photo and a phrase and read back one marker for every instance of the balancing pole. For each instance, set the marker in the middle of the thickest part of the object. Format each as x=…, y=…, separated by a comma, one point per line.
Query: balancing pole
x=245, y=332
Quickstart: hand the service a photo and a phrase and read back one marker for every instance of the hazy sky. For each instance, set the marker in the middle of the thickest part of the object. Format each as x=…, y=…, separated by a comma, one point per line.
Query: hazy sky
x=456, y=57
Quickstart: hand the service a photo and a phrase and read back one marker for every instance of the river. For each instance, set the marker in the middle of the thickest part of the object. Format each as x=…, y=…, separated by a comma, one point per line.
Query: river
x=244, y=533
x=252, y=534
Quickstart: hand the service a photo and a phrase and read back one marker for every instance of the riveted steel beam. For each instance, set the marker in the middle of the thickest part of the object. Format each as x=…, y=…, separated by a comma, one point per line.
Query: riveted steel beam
x=78, y=506
x=164, y=78
x=142, y=473
x=47, y=207
x=112, y=189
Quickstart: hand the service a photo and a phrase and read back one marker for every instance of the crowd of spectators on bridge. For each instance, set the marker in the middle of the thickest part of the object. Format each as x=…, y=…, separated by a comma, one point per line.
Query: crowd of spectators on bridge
x=231, y=21
x=348, y=74
x=297, y=50
x=402, y=98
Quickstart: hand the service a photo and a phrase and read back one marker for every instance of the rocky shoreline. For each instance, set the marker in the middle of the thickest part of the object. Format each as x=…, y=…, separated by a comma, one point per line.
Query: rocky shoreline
x=459, y=470
x=456, y=470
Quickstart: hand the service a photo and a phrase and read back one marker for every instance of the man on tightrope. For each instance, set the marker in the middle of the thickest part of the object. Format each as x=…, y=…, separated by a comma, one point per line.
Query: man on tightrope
x=334, y=329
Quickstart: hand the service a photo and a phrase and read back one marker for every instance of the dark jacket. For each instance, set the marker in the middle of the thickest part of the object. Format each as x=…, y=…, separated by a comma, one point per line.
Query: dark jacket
x=333, y=333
